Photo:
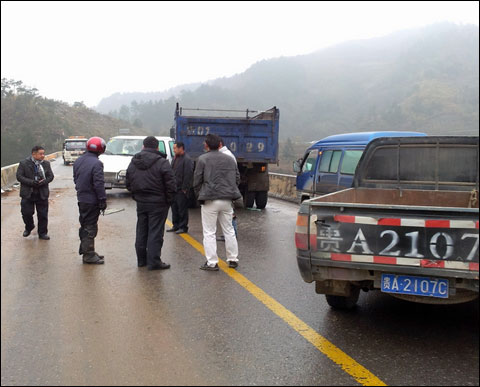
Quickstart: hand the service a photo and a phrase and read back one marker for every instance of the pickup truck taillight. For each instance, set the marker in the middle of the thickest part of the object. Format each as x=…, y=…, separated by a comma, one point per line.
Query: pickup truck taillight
x=301, y=232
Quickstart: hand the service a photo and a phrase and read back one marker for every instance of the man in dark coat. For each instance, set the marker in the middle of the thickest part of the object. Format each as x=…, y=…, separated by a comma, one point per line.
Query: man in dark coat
x=92, y=198
x=182, y=166
x=152, y=183
x=34, y=174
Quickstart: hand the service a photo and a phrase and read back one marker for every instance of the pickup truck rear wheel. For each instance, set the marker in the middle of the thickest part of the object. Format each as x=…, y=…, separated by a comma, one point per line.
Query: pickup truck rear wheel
x=261, y=198
x=344, y=302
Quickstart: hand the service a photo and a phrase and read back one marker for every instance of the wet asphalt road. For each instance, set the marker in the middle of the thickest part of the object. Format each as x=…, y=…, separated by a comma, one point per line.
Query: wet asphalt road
x=65, y=323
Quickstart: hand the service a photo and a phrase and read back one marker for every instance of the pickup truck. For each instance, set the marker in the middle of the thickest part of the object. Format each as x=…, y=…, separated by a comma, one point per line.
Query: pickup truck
x=408, y=226
x=252, y=139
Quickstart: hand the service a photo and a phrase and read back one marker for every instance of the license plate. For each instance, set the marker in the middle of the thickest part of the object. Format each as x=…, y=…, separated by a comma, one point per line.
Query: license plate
x=416, y=286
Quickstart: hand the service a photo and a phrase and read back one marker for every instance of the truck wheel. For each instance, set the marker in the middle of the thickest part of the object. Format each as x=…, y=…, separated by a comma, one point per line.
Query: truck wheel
x=261, y=198
x=249, y=199
x=342, y=302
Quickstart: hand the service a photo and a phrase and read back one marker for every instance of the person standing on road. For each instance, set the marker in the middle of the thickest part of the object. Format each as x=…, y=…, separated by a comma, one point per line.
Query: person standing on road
x=92, y=198
x=152, y=183
x=223, y=149
x=182, y=166
x=215, y=182
x=34, y=174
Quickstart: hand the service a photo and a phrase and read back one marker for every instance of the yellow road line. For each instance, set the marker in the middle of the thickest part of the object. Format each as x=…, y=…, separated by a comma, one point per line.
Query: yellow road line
x=349, y=365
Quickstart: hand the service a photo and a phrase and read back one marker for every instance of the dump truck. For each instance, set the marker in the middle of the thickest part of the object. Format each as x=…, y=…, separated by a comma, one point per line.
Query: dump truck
x=408, y=227
x=252, y=139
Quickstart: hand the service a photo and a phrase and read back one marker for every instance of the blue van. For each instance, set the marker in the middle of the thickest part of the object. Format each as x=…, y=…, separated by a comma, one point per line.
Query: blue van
x=329, y=164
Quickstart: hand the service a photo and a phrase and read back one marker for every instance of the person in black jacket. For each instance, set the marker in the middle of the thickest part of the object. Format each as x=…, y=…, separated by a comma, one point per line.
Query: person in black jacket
x=182, y=166
x=152, y=183
x=92, y=198
x=34, y=174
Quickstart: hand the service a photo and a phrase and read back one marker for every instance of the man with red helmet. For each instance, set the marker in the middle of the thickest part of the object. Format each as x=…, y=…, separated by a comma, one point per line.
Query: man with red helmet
x=91, y=195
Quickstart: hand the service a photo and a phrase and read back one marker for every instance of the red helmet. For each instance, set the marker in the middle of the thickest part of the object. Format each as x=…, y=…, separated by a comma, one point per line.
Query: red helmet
x=96, y=145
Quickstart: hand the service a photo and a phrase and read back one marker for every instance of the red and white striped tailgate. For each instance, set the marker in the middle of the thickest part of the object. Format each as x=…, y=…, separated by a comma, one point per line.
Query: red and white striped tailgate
x=402, y=261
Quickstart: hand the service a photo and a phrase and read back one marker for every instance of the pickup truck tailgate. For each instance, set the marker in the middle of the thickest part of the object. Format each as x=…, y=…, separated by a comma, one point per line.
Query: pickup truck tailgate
x=442, y=238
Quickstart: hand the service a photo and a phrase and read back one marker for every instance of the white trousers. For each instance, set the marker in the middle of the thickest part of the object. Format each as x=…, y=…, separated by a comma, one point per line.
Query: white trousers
x=223, y=211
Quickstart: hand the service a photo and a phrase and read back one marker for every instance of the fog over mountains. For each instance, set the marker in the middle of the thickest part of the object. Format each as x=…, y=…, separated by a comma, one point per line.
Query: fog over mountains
x=423, y=79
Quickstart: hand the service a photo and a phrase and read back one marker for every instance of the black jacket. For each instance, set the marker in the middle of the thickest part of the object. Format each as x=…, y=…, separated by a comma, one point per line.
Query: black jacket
x=89, y=179
x=150, y=178
x=183, y=171
x=26, y=177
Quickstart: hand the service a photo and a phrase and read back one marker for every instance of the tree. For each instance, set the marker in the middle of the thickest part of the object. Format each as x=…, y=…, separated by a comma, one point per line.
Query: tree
x=124, y=113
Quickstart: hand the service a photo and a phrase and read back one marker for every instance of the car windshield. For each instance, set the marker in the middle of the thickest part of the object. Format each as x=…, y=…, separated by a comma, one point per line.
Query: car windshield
x=124, y=146
x=73, y=145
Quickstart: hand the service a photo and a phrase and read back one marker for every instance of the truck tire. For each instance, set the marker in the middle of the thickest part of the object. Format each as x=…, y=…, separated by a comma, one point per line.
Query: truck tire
x=261, y=198
x=343, y=302
x=249, y=199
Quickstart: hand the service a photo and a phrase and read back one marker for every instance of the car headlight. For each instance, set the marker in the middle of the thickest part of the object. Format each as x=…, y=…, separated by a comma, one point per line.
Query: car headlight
x=122, y=174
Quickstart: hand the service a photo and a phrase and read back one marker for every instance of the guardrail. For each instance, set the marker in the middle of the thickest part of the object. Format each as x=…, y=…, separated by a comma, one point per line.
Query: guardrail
x=9, y=173
x=283, y=186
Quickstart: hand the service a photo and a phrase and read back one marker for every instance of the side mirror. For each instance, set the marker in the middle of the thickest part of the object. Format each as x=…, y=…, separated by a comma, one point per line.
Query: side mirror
x=296, y=166
x=172, y=132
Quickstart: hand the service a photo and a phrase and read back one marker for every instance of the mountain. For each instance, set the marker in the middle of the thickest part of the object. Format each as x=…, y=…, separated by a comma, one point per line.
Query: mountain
x=29, y=119
x=115, y=101
x=424, y=79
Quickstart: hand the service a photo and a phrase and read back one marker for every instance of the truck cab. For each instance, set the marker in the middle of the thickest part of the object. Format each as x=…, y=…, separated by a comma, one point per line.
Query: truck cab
x=73, y=148
x=329, y=165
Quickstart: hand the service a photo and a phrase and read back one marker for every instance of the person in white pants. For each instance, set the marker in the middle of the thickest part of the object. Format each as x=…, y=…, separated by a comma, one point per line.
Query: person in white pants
x=215, y=182
x=221, y=210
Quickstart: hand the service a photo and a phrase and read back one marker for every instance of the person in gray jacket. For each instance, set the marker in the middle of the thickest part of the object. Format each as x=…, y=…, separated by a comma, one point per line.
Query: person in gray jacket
x=215, y=182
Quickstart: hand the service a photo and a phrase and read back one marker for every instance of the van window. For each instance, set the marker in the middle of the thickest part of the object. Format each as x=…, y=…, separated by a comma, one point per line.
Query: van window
x=309, y=161
x=330, y=161
x=122, y=146
x=350, y=161
x=171, y=146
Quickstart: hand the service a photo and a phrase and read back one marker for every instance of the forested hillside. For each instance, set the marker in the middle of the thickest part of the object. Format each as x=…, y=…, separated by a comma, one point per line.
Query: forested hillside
x=424, y=79
x=29, y=119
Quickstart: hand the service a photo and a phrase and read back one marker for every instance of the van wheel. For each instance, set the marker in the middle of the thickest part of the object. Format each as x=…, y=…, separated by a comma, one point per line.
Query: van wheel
x=342, y=302
x=261, y=198
x=249, y=199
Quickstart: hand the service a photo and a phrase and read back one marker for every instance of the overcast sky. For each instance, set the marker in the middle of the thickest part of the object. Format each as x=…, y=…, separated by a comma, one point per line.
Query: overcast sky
x=84, y=51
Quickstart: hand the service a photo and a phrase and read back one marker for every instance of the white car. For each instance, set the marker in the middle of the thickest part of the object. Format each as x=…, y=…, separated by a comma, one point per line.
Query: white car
x=119, y=153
